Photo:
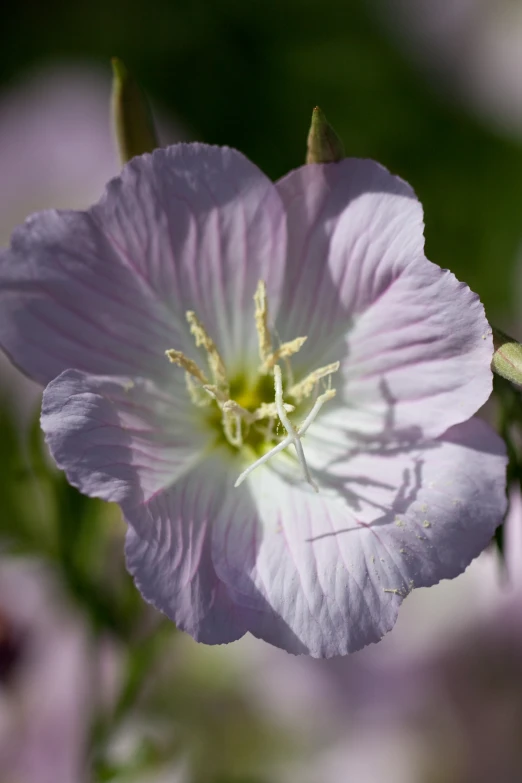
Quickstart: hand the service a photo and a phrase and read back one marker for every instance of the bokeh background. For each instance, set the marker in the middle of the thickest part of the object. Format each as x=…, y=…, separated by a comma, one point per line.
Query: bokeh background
x=94, y=685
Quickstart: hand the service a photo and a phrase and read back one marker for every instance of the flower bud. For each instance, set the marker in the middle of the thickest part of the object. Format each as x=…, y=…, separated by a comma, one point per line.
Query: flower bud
x=132, y=117
x=507, y=359
x=324, y=145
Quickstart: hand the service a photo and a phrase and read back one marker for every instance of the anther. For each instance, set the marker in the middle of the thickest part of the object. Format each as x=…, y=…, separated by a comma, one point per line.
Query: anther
x=284, y=352
x=215, y=362
x=179, y=358
x=305, y=387
x=231, y=406
x=268, y=410
x=196, y=392
x=261, y=316
x=231, y=422
x=215, y=393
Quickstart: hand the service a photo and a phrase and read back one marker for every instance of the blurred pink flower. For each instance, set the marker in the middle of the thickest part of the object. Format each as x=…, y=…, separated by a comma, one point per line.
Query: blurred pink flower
x=473, y=48
x=56, y=150
x=56, y=142
x=45, y=679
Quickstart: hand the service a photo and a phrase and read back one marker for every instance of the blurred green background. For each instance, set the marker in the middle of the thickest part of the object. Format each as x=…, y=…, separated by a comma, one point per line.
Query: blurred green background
x=248, y=74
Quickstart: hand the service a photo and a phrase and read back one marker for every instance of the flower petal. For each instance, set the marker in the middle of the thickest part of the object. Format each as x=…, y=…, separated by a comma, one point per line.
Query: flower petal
x=212, y=226
x=106, y=291
x=357, y=283
x=323, y=573
x=341, y=562
x=66, y=300
x=169, y=549
x=192, y=551
x=119, y=439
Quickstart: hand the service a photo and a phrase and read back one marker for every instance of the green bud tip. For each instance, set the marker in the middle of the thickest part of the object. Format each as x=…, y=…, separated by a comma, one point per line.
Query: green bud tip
x=507, y=359
x=131, y=114
x=324, y=145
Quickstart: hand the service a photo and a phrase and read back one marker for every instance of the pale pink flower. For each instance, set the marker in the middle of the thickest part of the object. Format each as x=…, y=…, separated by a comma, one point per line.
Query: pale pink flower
x=312, y=458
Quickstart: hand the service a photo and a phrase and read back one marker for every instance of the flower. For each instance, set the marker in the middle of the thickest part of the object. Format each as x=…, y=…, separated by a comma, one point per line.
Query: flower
x=302, y=306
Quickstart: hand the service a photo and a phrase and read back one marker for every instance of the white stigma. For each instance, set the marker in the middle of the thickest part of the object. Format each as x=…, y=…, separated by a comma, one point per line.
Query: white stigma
x=289, y=427
x=291, y=437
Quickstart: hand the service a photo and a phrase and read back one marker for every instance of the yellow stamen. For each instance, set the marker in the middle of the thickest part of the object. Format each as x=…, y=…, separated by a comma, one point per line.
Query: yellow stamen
x=215, y=362
x=261, y=315
x=268, y=410
x=305, y=387
x=179, y=358
x=237, y=420
x=284, y=352
x=231, y=406
x=196, y=393
x=231, y=421
x=215, y=393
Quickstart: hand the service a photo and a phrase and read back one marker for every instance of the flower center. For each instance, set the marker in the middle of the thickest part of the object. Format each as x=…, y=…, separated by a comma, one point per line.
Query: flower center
x=249, y=416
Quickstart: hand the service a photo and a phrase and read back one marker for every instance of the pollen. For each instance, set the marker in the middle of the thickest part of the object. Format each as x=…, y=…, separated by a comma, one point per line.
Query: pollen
x=283, y=352
x=215, y=362
x=249, y=420
x=261, y=316
x=179, y=358
x=305, y=387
